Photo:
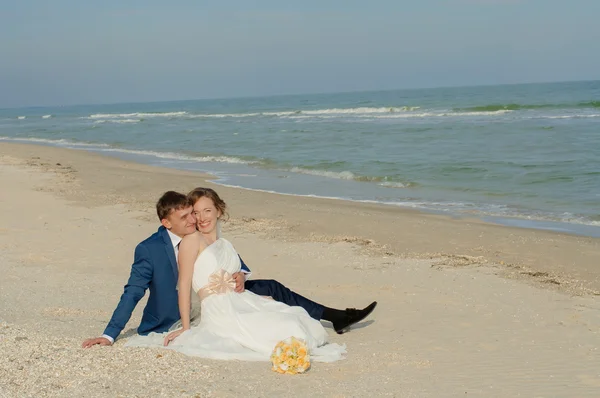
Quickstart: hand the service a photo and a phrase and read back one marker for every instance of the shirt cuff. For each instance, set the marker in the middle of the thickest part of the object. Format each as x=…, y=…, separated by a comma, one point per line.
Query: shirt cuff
x=107, y=337
x=246, y=274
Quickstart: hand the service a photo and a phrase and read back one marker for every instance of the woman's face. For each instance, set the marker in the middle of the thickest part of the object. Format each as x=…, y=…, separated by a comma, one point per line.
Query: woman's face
x=206, y=215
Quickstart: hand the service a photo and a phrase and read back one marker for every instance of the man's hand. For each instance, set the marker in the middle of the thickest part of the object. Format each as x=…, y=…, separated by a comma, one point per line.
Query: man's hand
x=240, y=280
x=96, y=341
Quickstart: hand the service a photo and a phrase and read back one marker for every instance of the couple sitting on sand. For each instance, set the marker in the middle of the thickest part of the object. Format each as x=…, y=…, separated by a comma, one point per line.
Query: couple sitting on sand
x=240, y=318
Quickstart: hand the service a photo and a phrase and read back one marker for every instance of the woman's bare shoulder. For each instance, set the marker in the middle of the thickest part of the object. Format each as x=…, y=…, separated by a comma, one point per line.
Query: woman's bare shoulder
x=195, y=241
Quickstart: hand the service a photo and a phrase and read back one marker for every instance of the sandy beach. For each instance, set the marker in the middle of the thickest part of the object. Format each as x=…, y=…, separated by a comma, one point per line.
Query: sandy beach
x=466, y=308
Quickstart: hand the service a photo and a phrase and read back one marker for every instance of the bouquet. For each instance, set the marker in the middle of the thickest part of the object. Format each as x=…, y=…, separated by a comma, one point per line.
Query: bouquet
x=290, y=356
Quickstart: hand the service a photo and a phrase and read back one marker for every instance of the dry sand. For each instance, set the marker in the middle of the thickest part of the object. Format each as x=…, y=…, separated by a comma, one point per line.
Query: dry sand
x=465, y=308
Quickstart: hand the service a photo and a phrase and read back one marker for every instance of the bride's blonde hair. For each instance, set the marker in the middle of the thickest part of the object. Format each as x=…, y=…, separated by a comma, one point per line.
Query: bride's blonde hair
x=200, y=192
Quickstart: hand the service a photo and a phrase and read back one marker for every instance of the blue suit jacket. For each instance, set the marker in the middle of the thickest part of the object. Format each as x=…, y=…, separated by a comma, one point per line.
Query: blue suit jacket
x=155, y=268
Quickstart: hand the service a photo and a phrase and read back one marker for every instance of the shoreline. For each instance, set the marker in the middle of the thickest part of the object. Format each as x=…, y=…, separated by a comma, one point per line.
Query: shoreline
x=573, y=229
x=560, y=260
x=229, y=176
x=455, y=317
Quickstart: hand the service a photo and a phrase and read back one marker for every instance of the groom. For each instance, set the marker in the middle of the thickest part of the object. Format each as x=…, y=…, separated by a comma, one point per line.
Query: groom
x=155, y=268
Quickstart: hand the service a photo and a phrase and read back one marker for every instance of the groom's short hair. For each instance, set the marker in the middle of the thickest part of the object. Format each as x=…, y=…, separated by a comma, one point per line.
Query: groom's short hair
x=171, y=201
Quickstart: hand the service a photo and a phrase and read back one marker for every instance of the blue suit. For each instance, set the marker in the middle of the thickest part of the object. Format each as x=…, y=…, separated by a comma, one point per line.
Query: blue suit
x=155, y=268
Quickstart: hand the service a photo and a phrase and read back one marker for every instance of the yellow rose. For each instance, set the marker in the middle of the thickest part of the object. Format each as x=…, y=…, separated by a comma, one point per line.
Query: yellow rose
x=290, y=356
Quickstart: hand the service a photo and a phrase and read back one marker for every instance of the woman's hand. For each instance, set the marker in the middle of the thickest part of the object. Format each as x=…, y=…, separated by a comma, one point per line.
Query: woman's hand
x=173, y=335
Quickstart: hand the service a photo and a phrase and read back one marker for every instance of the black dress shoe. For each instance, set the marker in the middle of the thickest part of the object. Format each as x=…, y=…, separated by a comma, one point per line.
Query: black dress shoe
x=353, y=316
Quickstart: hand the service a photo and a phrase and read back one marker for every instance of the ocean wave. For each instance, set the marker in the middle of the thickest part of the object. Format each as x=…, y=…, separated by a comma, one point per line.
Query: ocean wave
x=572, y=219
x=135, y=115
x=47, y=116
x=422, y=115
x=341, y=175
x=589, y=104
x=570, y=116
x=60, y=142
x=391, y=184
x=565, y=218
x=222, y=183
x=493, y=210
x=360, y=111
x=223, y=115
x=518, y=107
x=328, y=113
x=445, y=114
x=350, y=176
x=504, y=107
x=160, y=155
x=183, y=157
x=119, y=121
x=316, y=112
x=21, y=117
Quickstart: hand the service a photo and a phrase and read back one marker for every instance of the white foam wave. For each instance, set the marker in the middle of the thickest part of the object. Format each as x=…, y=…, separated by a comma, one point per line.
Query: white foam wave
x=493, y=210
x=377, y=114
x=570, y=116
x=120, y=121
x=181, y=157
x=446, y=114
x=347, y=175
x=342, y=175
x=222, y=183
x=108, y=148
x=127, y=121
x=391, y=184
x=135, y=115
x=408, y=115
x=223, y=115
x=61, y=142
x=316, y=112
x=574, y=219
x=20, y=117
x=46, y=116
x=361, y=112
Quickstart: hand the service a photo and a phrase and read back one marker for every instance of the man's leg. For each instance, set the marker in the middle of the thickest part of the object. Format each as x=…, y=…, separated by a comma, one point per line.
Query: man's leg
x=341, y=319
x=270, y=287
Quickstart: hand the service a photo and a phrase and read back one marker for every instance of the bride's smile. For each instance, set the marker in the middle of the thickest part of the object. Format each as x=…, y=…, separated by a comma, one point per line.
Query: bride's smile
x=206, y=215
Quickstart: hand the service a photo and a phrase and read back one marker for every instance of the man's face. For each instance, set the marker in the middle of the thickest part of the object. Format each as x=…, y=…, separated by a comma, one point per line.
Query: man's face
x=181, y=222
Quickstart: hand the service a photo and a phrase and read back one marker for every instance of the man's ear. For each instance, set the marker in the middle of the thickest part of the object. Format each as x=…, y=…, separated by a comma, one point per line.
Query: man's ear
x=166, y=223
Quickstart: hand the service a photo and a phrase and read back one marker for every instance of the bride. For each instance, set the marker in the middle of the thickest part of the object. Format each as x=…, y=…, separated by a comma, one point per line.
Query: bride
x=232, y=325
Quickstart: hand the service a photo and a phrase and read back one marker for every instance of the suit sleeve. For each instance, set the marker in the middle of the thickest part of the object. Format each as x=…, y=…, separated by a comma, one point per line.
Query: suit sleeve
x=245, y=268
x=139, y=280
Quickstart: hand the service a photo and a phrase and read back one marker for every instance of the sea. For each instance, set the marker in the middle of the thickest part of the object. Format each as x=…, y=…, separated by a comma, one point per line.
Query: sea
x=521, y=155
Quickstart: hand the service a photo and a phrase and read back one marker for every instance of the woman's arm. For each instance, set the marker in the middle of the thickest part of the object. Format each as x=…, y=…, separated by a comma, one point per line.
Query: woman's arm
x=189, y=249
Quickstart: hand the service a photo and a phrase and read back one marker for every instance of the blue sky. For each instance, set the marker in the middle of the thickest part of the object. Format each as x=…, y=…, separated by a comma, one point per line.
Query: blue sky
x=76, y=52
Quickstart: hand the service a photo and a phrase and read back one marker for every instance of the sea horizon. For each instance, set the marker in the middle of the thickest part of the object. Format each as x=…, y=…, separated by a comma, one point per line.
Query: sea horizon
x=258, y=96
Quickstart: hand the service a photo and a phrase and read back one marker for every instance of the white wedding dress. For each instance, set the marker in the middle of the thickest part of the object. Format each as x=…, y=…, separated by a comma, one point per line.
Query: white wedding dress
x=241, y=326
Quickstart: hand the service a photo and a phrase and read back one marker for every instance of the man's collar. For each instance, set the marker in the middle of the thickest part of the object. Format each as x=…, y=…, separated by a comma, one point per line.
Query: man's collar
x=174, y=238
